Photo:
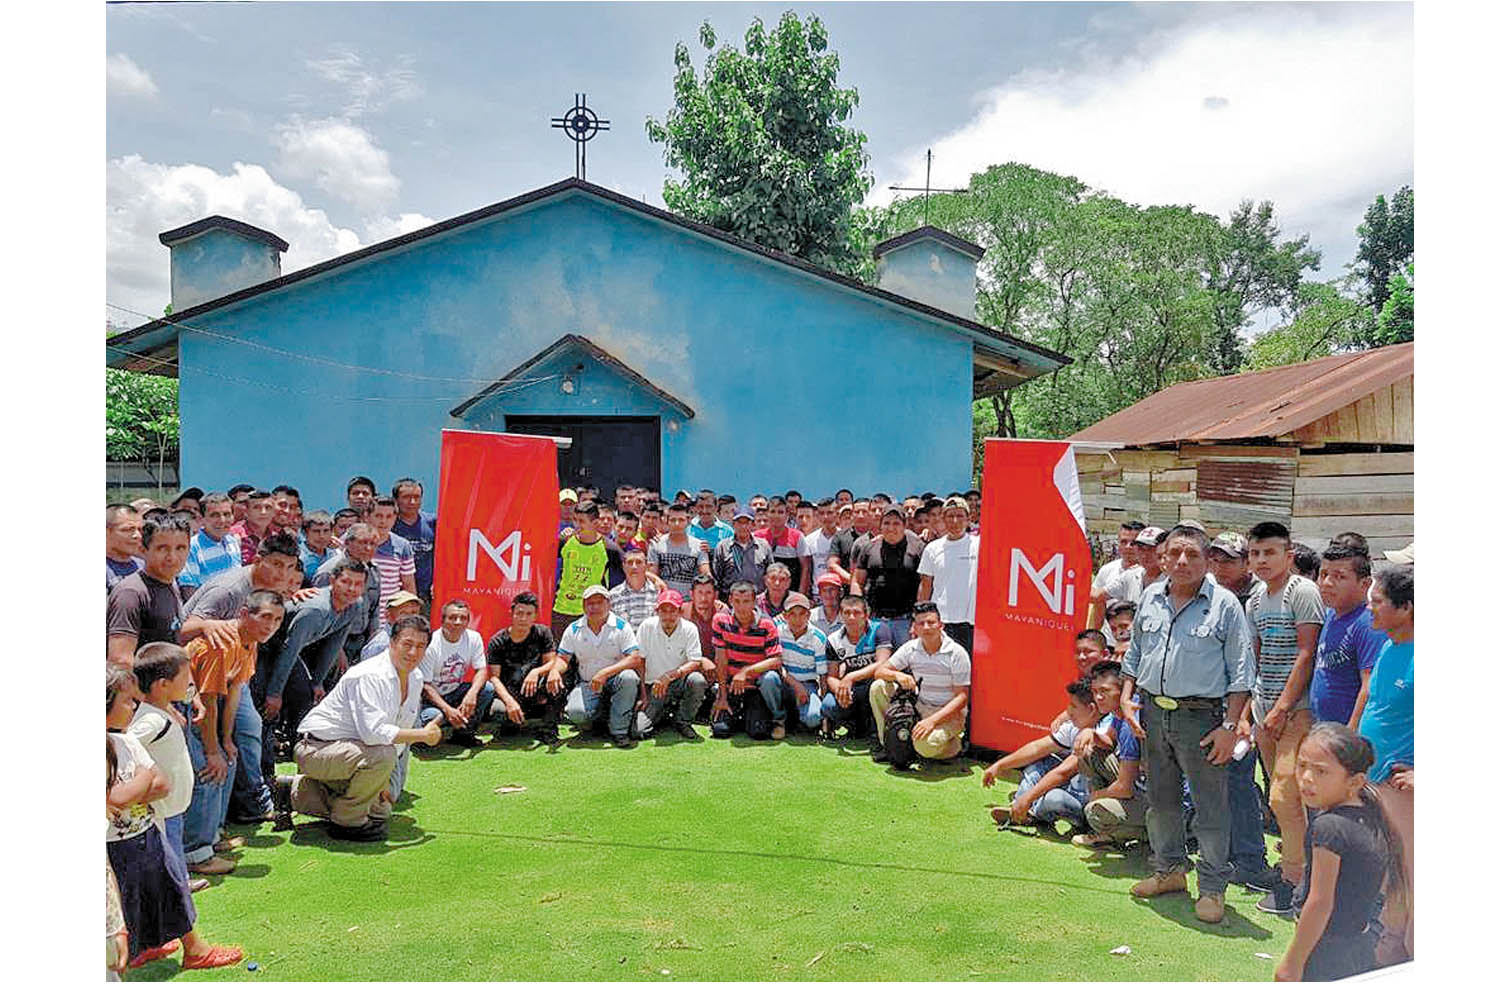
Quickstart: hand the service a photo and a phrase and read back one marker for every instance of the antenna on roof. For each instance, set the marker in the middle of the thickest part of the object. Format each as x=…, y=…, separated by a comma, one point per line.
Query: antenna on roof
x=927, y=188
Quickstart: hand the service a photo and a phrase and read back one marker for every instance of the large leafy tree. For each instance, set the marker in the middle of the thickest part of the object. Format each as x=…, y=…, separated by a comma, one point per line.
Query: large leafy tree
x=1322, y=319
x=1396, y=322
x=1251, y=269
x=763, y=145
x=140, y=416
x=1386, y=244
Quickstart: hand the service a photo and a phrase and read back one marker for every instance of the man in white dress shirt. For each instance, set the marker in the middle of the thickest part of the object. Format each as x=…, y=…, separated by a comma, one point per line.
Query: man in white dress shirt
x=347, y=745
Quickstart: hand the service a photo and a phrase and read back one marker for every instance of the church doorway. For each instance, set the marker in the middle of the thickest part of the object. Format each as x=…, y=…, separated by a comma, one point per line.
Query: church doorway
x=607, y=451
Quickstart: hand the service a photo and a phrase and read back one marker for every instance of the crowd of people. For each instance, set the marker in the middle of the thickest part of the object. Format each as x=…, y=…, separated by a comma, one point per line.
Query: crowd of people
x=241, y=631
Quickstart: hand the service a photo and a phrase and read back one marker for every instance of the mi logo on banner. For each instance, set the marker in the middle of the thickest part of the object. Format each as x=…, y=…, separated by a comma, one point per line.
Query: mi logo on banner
x=508, y=556
x=1048, y=581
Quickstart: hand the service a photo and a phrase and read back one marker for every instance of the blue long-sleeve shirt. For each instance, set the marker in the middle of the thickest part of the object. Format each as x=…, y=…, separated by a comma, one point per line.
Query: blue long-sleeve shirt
x=1201, y=650
x=314, y=627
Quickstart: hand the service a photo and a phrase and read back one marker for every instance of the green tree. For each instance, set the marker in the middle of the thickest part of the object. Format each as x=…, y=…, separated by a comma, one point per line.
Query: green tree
x=762, y=143
x=1386, y=245
x=1251, y=269
x=140, y=417
x=1324, y=318
x=1397, y=320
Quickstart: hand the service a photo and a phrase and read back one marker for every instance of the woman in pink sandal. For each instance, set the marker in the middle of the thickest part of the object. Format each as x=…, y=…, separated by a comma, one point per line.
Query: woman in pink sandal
x=158, y=908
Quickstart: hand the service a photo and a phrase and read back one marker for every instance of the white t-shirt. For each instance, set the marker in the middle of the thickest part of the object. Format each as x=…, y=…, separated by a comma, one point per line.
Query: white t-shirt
x=953, y=564
x=939, y=673
x=164, y=740
x=596, y=652
x=130, y=758
x=1108, y=571
x=1130, y=584
x=662, y=652
x=817, y=546
x=447, y=662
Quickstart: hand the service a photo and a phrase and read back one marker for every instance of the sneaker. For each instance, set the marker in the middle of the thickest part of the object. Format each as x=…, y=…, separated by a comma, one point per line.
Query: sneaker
x=213, y=865
x=1266, y=880
x=1278, y=901
x=196, y=884
x=778, y=731
x=466, y=738
x=1209, y=908
x=281, y=798
x=1160, y=884
x=688, y=731
x=548, y=735
x=879, y=756
x=229, y=843
x=624, y=743
x=1065, y=827
x=1093, y=841
x=372, y=831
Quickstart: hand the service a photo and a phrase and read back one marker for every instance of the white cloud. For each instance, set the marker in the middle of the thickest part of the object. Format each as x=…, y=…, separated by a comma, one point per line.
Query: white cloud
x=125, y=78
x=385, y=227
x=144, y=198
x=340, y=158
x=369, y=89
x=1311, y=107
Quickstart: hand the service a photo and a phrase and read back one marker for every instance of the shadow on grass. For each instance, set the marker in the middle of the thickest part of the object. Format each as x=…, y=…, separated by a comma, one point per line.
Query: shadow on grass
x=403, y=834
x=1178, y=908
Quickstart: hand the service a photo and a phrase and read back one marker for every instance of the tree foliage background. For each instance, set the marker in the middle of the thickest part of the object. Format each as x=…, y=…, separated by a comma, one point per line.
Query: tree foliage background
x=140, y=416
x=763, y=145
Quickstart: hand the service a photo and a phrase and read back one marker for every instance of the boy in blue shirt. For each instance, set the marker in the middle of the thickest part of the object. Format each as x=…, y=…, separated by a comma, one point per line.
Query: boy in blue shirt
x=1347, y=644
x=1109, y=758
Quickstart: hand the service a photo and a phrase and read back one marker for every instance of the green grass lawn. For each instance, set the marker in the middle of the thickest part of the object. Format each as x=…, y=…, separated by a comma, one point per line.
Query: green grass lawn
x=710, y=861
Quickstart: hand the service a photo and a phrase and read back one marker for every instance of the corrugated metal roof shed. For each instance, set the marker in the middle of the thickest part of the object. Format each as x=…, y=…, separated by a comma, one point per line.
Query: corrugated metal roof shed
x=1263, y=404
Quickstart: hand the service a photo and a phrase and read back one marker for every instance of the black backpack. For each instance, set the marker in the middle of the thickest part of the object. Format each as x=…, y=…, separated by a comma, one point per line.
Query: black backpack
x=900, y=717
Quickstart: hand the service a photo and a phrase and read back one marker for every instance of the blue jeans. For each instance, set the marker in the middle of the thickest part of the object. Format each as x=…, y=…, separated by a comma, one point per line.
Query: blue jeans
x=1064, y=802
x=205, y=814
x=1247, y=825
x=176, y=865
x=809, y=713
x=251, y=798
x=900, y=629
x=858, y=708
x=620, y=690
x=456, y=696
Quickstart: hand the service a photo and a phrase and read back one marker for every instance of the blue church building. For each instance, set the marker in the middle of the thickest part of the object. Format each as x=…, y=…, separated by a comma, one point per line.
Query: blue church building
x=673, y=354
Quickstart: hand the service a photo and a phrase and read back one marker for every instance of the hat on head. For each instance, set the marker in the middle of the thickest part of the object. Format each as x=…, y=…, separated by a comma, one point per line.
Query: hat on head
x=955, y=502
x=744, y=512
x=400, y=597
x=1192, y=522
x=192, y=493
x=1231, y=543
x=796, y=600
x=669, y=596
x=684, y=493
x=1404, y=556
x=1149, y=536
x=596, y=590
x=564, y=495
x=830, y=579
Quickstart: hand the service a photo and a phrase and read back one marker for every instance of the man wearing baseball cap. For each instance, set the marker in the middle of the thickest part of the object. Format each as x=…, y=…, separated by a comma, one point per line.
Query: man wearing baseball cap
x=743, y=557
x=676, y=673
x=1131, y=583
x=609, y=667
x=830, y=594
x=1228, y=562
x=804, y=661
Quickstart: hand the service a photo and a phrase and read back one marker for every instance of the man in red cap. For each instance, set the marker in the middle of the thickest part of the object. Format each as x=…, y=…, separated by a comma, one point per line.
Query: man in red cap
x=676, y=676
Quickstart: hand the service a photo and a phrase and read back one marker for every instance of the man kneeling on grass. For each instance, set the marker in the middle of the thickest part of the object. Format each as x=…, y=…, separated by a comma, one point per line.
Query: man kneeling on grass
x=526, y=671
x=676, y=671
x=1109, y=759
x=938, y=667
x=455, y=654
x=347, y=744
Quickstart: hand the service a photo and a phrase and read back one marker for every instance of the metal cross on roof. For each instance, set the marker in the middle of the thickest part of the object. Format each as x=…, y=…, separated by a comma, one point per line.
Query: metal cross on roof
x=927, y=189
x=580, y=124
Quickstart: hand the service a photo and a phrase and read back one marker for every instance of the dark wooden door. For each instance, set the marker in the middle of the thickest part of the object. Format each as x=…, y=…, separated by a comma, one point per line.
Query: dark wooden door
x=606, y=451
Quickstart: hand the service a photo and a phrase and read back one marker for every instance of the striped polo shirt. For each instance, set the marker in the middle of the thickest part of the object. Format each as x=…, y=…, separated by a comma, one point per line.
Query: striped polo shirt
x=805, y=658
x=393, y=559
x=207, y=558
x=746, y=646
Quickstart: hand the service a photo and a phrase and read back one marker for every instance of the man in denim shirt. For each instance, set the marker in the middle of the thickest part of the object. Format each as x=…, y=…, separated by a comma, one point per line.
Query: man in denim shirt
x=1188, y=673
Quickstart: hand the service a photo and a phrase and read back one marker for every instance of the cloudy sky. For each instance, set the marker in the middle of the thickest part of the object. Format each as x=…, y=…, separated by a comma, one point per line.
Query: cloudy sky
x=340, y=125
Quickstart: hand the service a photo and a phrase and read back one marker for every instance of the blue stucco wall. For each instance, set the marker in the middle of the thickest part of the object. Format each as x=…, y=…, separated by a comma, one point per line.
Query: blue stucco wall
x=794, y=381
x=932, y=272
x=217, y=262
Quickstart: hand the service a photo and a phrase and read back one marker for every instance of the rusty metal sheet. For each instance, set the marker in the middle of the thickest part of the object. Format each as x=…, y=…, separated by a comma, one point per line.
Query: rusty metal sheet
x=1263, y=404
x=1249, y=482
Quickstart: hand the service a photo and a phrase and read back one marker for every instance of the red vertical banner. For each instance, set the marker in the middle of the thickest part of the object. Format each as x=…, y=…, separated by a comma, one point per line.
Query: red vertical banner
x=1035, y=571
x=497, y=525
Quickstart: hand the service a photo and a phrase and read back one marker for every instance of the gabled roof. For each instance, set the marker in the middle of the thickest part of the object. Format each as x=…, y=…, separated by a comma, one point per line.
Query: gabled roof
x=156, y=340
x=571, y=341
x=963, y=246
x=1265, y=404
x=223, y=223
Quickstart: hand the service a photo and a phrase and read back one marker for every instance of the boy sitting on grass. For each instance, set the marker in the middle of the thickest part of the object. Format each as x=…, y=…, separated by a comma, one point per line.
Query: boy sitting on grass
x=1051, y=789
x=1110, y=760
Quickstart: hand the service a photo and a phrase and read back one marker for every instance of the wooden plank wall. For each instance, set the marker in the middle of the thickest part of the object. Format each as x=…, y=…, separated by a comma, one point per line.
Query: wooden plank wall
x=1317, y=495
x=1381, y=417
x=1372, y=493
